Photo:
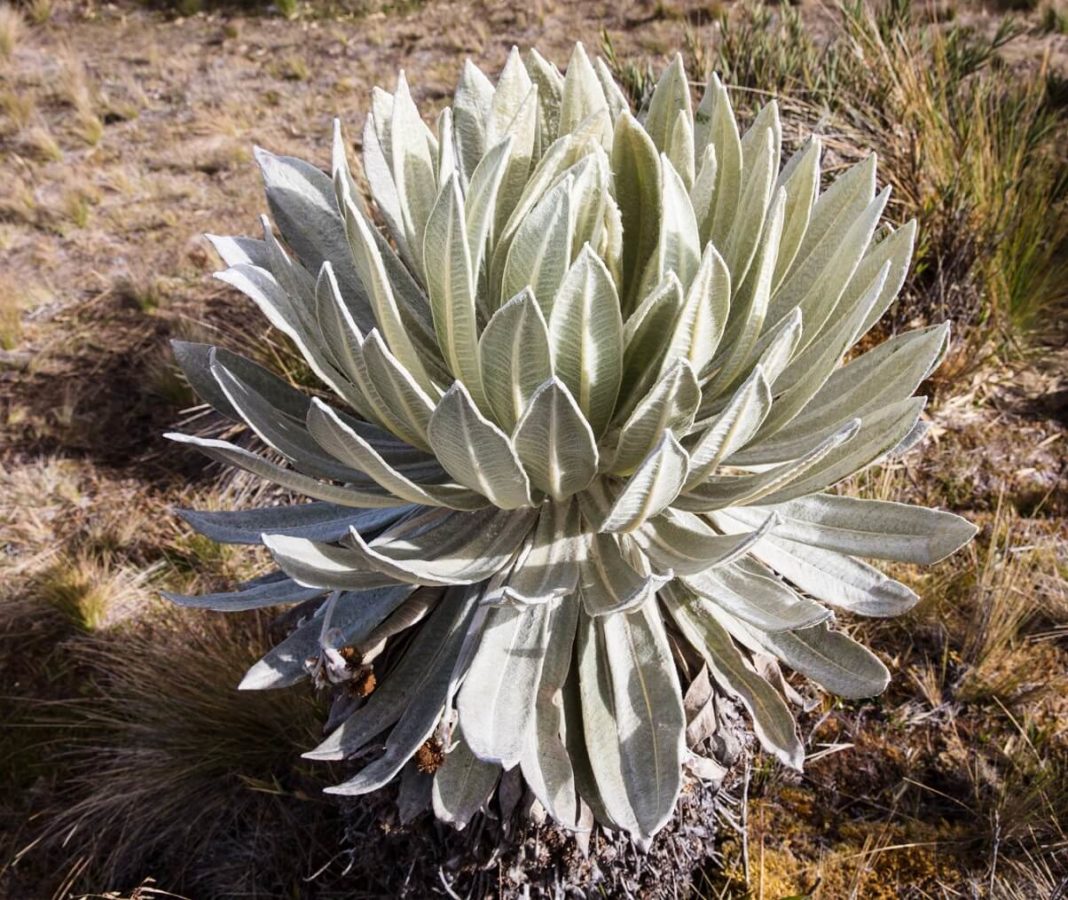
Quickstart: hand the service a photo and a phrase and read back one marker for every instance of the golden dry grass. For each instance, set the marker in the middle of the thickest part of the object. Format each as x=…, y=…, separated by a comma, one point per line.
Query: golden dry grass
x=10, y=29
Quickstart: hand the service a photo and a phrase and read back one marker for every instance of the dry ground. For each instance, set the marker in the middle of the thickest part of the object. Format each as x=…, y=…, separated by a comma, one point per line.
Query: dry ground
x=125, y=133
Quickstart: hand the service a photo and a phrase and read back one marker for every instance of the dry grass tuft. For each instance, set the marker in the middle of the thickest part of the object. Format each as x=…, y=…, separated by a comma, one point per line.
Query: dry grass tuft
x=10, y=29
x=17, y=106
x=138, y=768
x=39, y=11
x=91, y=591
x=10, y=317
x=41, y=143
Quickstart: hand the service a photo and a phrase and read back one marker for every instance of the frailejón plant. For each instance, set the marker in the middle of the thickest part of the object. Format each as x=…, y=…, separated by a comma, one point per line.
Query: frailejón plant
x=588, y=396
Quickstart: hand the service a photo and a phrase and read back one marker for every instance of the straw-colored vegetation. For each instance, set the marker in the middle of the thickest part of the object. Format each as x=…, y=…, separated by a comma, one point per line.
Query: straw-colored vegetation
x=125, y=757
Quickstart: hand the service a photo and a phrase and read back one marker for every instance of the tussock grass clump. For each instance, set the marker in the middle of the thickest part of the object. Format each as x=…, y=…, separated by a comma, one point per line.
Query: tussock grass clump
x=90, y=590
x=976, y=155
x=170, y=770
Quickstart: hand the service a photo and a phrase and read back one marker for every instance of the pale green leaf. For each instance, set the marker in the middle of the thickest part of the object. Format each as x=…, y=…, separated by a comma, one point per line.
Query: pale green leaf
x=462, y=785
x=583, y=98
x=636, y=170
x=496, y=702
x=668, y=408
x=681, y=542
x=515, y=358
x=342, y=441
x=451, y=286
x=652, y=487
x=831, y=659
x=772, y=722
x=628, y=680
x=555, y=442
x=232, y=455
x=545, y=763
x=540, y=252
x=476, y=452
x=753, y=594
x=586, y=337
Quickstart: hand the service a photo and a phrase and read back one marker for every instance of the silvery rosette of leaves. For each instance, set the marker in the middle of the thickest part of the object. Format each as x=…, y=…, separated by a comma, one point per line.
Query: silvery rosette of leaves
x=585, y=392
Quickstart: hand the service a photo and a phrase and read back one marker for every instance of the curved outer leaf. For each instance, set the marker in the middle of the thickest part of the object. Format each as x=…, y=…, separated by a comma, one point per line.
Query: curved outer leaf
x=444, y=552
x=586, y=337
x=878, y=435
x=420, y=716
x=755, y=596
x=422, y=677
x=303, y=204
x=231, y=454
x=873, y=528
x=315, y=521
x=195, y=361
x=555, y=442
x=800, y=178
x=749, y=311
x=284, y=434
x=895, y=248
x=772, y=721
x=839, y=580
x=265, y=291
x=732, y=428
x=745, y=233
x=462, y=785
x=682, y=543
x=544, y=762
x=324, y=566
x=397, y=388
x=476, y=452
x=496, y=702
x=632, y=706
x=353, y=617
x=272, y=591
x=342, y=441
x=867, y=384
x=831, y=659
x=387, y=311
x=515, y=358
x=743, y=490
x=668, y=408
